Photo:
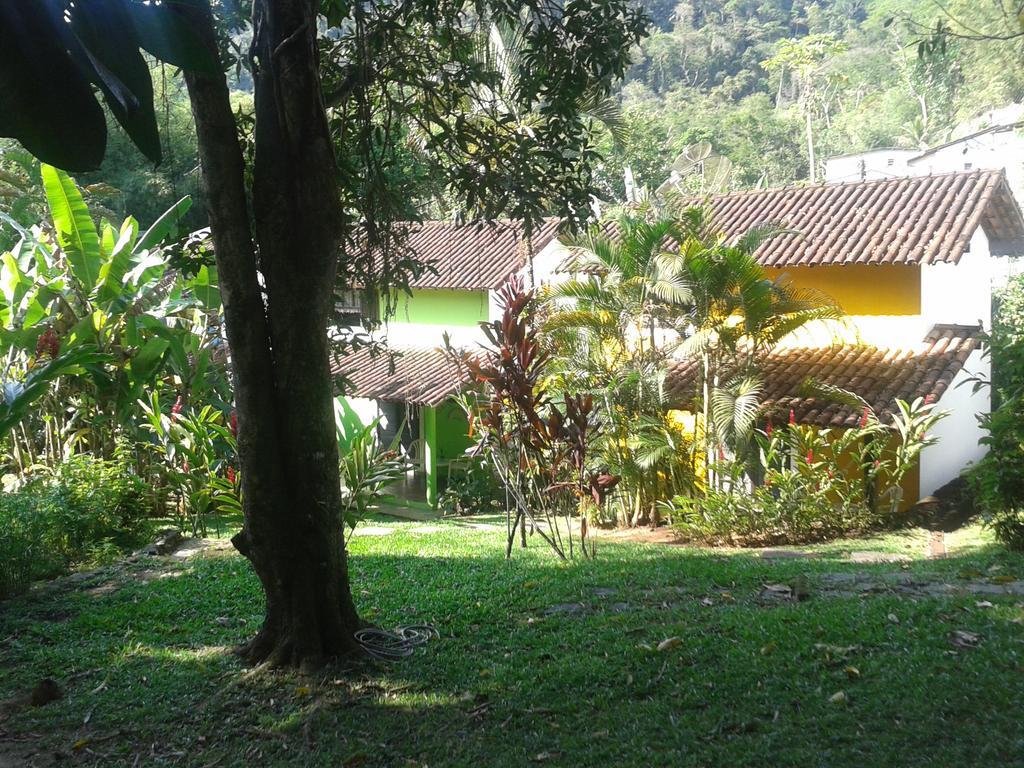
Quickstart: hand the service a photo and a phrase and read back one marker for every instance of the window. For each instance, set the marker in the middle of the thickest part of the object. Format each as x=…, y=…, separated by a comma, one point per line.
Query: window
x=356, y=307
x=968, y=166
x=890, y=162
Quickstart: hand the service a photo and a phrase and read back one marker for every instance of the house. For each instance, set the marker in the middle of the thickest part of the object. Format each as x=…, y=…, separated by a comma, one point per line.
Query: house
x=411, y=389
x=993, y=140
x=910, y=260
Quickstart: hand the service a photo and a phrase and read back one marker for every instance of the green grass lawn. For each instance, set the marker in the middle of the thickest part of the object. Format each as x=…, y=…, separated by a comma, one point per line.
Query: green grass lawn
x=517, y=677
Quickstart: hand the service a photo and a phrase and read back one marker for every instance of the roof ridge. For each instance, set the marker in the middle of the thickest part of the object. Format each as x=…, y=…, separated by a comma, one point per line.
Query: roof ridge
x=799, y=186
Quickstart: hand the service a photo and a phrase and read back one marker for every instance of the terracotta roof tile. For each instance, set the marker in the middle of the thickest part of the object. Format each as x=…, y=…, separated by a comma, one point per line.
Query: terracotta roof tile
x=879, y=375
x=905, y=220
x=475, y=256
x=909, y=220
x=422, y=376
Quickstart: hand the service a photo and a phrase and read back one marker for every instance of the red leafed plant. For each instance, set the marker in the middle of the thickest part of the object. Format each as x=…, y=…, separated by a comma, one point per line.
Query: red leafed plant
x=540, y=448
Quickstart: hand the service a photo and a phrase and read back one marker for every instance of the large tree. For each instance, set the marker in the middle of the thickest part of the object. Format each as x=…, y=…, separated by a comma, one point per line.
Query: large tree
x=342, y=89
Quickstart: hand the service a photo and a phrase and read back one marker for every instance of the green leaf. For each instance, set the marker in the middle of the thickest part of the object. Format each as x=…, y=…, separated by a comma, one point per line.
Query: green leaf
x=164, y=227
x=18, y=396
x=76, y=233
x=168, y=31
x=46, y=100
x=205, y=288
x=148, y=360
x=108, y=35
x=111, y=285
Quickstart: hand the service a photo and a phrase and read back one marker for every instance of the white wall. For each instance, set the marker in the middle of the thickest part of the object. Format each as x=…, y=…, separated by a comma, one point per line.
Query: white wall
x=999, y=149
x=547, y=260
x=873, y=164
x=962, y=292
x=959, y=433
x=429, y=336
x=366, y=410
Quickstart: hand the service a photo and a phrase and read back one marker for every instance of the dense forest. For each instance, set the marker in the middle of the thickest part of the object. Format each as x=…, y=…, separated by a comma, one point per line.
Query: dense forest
x=750, y=78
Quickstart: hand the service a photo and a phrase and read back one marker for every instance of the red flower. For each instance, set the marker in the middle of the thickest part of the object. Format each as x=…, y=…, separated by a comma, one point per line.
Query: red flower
x=864, y=418
x=878, y=463
x=929, y=399
x=792, y=416
x=721, y=454
x=231, y=475
x=768, y=428
x=234, y=423
x=810, y=457
x=184, y=467
x=48, y=344
x=178, y=405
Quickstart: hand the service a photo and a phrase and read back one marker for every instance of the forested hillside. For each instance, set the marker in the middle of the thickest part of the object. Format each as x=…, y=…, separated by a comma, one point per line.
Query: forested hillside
x=745, y=75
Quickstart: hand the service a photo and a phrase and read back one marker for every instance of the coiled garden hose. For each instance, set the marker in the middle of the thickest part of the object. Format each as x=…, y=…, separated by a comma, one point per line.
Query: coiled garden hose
x=393, y=646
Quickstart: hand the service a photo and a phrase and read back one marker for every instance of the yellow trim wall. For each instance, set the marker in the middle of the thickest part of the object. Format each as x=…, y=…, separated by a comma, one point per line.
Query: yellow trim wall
x=862, y=289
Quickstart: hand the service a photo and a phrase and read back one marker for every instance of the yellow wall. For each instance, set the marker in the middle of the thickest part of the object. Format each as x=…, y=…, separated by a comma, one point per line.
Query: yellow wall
x=862, y=289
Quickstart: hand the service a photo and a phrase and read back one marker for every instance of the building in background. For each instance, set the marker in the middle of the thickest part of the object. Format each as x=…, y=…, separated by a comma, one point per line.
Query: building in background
x=992, y=141
x=910, y=261
x=410, y=388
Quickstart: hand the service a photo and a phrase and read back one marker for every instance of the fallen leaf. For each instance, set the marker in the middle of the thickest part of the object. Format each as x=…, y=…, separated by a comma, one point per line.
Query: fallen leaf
x=839, y=697
x=1004, y=578
x=893, y=618
x=81, y=744
x=983, y=604
x=852, y=672
x=670, y=643
x=302, y=690
x=768, y=649
x=707, y=601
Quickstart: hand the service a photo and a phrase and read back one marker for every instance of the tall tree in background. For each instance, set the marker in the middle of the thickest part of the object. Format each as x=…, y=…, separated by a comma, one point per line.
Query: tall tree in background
x=381, y=69
x=806, y=60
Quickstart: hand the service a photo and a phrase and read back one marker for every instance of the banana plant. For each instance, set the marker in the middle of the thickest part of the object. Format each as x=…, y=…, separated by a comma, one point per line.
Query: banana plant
x=19, y=393
x=108, y=290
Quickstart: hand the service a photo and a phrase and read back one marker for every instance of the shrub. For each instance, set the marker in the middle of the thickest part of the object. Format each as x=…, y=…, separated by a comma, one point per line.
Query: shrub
x=472, y=490
x=791, y=509
x=998, y=479
x=85, y=513
x=367, y=468
x=814, y=483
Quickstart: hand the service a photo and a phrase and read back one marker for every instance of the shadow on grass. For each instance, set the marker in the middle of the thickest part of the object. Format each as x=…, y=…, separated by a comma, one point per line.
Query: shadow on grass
x=538, y=661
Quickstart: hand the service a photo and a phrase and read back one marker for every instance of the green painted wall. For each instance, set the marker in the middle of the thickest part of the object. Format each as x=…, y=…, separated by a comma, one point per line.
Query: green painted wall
x=452, y=431
x=442, y=307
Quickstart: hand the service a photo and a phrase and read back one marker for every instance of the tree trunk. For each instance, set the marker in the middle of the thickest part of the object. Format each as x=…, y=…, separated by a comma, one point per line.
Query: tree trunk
x=809, y=125
x=279, y=349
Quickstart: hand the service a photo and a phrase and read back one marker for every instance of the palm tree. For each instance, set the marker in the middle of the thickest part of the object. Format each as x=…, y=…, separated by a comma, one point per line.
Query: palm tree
x=734, y=318
x=613, y=323
x=657, y=287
